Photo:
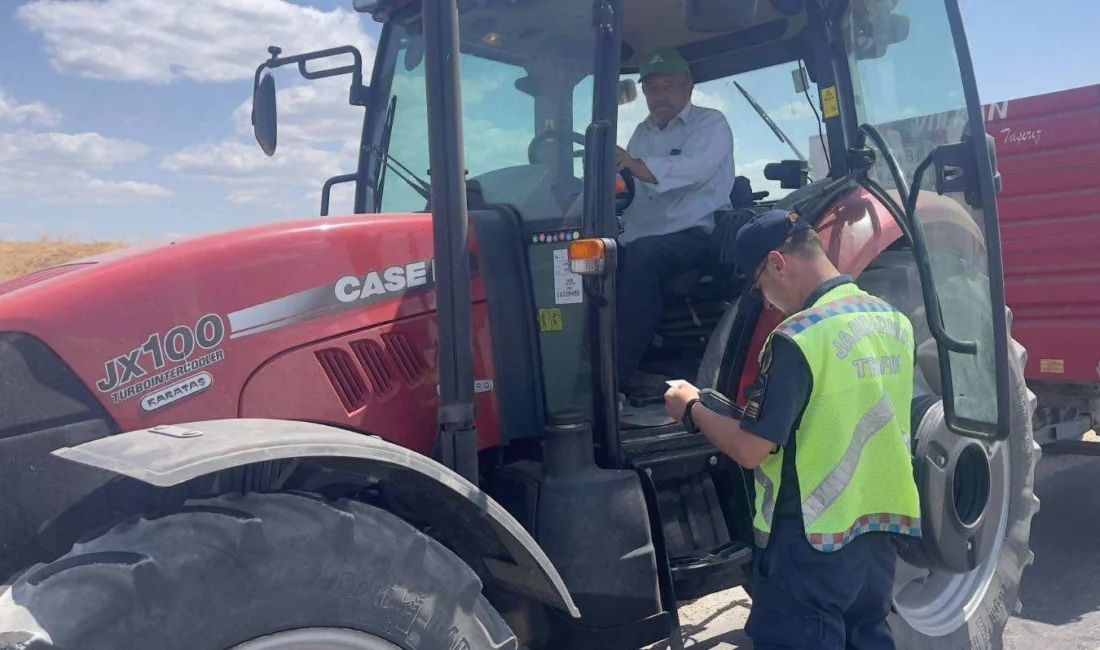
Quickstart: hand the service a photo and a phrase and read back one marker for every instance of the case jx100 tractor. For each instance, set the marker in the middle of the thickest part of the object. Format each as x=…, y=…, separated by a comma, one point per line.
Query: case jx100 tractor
x=400, y=428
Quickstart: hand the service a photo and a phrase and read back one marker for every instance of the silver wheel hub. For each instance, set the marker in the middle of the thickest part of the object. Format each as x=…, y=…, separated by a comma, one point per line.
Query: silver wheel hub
x=318, y=638
x=964, y=484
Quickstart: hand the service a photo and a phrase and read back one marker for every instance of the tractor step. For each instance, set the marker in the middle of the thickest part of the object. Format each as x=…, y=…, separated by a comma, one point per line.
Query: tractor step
x=706, y=553
x=700, y=574
x=663, y=442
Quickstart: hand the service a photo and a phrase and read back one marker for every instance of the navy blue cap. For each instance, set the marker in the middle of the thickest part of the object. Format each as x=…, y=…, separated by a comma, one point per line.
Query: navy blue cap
x=765, y=233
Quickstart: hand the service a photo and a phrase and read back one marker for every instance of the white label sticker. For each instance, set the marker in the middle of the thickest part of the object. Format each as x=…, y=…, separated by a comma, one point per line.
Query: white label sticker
x=567, y=284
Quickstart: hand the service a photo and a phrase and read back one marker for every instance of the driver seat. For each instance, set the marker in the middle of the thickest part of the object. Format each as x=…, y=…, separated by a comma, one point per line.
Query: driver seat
x=690, y=284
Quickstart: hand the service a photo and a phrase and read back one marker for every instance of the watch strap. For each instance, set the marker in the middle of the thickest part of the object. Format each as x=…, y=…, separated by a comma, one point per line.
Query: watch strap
x=687, y=420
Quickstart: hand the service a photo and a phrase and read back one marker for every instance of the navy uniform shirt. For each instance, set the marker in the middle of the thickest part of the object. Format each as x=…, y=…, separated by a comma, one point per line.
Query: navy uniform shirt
x=786, y=395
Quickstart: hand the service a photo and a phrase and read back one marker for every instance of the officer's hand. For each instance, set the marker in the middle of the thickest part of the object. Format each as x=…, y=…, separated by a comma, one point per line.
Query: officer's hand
x=677, y=396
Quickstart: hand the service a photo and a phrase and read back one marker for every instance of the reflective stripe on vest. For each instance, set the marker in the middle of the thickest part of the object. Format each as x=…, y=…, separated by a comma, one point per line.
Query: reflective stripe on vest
x=768, y=503
x=838, y=502
x=830, y=489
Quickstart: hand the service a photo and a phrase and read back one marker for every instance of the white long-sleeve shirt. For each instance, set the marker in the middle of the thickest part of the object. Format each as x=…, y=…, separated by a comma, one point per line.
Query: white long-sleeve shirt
x=692, y=160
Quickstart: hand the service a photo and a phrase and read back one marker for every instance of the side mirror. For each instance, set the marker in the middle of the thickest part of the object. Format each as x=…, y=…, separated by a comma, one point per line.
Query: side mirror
x=791, y=174
x=718, y=15
x=264, y=118
x=414, y=55
x=628, y=91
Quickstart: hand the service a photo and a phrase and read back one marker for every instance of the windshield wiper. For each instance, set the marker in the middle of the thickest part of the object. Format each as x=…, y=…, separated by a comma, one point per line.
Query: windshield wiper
x=419, y=185
x=771, y=124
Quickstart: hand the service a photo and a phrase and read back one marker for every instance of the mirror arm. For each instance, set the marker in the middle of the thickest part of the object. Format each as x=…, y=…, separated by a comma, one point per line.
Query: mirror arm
x=359, y=94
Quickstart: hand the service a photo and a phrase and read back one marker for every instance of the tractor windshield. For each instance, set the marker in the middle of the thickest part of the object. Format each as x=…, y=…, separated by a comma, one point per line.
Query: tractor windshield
x=521, y=66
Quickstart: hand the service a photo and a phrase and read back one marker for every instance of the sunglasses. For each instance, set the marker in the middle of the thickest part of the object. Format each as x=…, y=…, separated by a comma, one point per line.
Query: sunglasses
x=755, y=289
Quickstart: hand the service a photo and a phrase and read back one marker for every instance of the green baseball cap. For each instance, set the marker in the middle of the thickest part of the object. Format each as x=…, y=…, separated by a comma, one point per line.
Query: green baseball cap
x=663, y=60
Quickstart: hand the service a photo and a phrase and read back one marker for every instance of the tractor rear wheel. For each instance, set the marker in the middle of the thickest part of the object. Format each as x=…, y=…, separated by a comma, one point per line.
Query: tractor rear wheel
x=981, y=492
x=968, y=611
x=254, y=572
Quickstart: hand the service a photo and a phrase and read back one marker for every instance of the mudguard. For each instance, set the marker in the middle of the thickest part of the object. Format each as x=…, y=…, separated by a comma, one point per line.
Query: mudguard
x=169, y=455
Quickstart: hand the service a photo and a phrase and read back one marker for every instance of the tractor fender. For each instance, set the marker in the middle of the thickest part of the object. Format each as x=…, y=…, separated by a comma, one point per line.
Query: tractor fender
x=170, y=455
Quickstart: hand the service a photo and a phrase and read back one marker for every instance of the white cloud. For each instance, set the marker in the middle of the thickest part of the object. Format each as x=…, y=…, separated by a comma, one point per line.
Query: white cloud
x=82, y=188
x=35, y=113
x=53, y=167
x=309, y=113
x=224, y=40
x=160, y=41
x=319, y=134
x=290, y=180
x=67, y=149
x=234, y=162
x=710, y=100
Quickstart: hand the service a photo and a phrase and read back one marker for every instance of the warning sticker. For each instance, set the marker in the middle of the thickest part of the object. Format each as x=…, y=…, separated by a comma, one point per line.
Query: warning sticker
x=567, y=284
x=828, y=102
x=550, y=320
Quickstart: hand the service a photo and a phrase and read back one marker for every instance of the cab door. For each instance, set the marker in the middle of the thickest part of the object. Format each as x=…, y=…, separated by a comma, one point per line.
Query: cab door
x=911, y=75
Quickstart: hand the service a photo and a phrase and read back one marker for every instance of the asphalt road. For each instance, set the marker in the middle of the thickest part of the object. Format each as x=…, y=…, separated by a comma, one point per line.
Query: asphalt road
x=1060, y=591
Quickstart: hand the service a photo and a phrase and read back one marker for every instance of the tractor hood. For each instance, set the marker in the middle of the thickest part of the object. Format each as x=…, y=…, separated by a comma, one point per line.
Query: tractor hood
x=132, y=323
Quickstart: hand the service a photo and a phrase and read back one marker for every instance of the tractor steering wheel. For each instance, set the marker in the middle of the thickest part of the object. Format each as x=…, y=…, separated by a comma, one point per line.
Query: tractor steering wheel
x=626, y=197
x=553, y=134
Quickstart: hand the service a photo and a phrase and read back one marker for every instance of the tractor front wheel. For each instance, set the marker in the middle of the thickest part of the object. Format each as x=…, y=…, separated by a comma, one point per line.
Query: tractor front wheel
x=254, y=572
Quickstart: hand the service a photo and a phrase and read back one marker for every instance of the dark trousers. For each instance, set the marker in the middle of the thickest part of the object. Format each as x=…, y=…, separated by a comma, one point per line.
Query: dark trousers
x=803, y=598
x=645, y=266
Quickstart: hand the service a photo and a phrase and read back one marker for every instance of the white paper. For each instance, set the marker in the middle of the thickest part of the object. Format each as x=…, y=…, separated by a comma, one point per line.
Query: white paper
x=567, y=284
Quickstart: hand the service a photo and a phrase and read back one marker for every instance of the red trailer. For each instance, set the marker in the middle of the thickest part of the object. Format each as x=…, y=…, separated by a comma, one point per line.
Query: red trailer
x=1048, y=149
x=1048, y=155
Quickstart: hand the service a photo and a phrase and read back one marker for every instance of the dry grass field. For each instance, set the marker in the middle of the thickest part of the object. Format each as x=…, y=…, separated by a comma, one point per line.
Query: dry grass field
x=22, y=257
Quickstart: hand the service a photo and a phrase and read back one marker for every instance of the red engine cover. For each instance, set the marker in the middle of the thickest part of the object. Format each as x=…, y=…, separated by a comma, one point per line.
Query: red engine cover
x=329, y=321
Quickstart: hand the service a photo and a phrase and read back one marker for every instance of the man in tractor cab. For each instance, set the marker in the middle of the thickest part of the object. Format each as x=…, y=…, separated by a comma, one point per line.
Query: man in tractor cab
x=681, y=156
x=829, y=444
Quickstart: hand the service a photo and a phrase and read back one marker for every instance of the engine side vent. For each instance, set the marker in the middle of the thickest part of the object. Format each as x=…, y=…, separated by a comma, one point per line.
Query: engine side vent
x=345, y=378
x=408, y=360
x=373, y=359
x=38, y=276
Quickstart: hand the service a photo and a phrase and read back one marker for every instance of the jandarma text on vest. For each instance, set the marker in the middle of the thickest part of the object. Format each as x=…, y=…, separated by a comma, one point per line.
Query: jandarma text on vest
x=863, y=326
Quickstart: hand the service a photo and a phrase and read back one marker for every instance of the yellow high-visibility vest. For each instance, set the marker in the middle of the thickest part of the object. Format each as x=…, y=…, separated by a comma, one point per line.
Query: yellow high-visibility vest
x=852, y=453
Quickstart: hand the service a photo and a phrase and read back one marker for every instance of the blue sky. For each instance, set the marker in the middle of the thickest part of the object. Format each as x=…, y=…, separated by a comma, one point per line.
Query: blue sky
x=128, y=118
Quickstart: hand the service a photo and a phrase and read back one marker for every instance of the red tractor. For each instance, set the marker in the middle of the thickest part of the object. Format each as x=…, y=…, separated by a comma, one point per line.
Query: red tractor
x=400, y=428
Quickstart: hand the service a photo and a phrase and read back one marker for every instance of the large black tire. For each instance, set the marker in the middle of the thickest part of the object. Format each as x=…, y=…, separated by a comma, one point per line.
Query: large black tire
x=991, y=606
x=984, y=627
x=223, y=571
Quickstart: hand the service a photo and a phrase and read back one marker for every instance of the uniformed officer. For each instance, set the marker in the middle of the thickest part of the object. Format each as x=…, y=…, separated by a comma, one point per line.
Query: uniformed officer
x=826, y=432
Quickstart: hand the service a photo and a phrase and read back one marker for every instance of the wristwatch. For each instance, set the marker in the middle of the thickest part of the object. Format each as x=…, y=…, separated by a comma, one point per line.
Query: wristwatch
x=687, y=421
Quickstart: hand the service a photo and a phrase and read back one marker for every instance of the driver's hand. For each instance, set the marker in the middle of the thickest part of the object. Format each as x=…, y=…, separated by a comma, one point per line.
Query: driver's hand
x=622, y=159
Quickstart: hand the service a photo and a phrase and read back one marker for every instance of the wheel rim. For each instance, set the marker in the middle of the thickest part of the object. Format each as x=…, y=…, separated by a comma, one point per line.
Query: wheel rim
x=936, y=602
x=318, y=638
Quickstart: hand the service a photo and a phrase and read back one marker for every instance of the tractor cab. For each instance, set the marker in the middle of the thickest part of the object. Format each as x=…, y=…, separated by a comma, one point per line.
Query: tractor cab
x=537, y=77
x=529, y=76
